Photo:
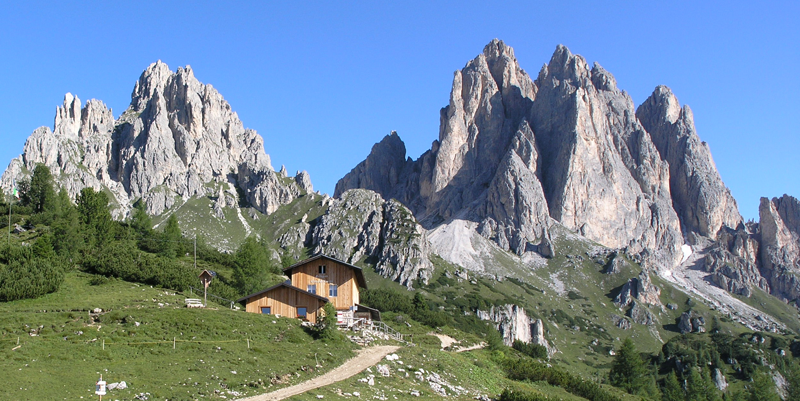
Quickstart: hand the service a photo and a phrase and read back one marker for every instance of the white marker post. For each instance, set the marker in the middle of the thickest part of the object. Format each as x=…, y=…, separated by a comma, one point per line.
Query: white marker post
x=100, y=388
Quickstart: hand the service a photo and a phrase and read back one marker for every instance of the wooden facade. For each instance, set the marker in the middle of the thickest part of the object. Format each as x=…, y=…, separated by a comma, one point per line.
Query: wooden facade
x=313, y=282
x=285, y=300
x=330, y=278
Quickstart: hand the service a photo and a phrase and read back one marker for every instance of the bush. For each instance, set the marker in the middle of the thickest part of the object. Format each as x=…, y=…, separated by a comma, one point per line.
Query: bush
x=518, y=395
x=326, y=324
x=387, y=300
x=30, y=278
x=535, y=351
x=123, y=260
x=527, y=369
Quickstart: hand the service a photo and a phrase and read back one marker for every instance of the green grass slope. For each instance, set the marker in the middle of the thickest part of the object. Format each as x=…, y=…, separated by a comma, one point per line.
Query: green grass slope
x=52, y=347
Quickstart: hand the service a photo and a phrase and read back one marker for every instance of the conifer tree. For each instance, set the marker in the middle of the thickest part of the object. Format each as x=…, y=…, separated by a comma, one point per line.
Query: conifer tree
x=672, y=389
x=793, y=384
x=762, y=388
x=628, y=371
x=251, y=266
x=67, y=236
x=171, y=240
x=699, y=386
x=95, y=217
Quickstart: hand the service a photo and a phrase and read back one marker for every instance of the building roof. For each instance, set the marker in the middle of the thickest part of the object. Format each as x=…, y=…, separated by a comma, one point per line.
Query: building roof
x=358, y=271
x=282, y=284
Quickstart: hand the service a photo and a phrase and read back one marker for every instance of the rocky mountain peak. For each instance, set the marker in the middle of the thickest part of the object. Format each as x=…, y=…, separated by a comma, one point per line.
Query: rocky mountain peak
x=177, y=136
x=699, y=196
x=780, y=245
x=68, y=117
x=381, y=171
x=152, y=81
x=602, y=79
x=565, y=66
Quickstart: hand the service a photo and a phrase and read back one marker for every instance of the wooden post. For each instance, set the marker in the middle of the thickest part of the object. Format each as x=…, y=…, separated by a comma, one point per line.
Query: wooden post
x=173, y=342
x=248, y=343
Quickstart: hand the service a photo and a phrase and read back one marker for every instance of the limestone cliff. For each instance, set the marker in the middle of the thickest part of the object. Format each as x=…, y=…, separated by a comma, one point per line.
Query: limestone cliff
x=361, y=226
x=780, y=245
x=176, y=136
x=699, y=196
x=512, y=153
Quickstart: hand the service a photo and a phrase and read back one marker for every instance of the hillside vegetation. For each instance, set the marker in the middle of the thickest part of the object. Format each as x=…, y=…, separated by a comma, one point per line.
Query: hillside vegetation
x=64, y=260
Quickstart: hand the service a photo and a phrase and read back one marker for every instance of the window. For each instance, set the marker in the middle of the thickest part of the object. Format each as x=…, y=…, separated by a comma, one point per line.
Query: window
x=266, y=310
x=322, y=270
x=312, y=288
x=301, y=312
x=333, y=290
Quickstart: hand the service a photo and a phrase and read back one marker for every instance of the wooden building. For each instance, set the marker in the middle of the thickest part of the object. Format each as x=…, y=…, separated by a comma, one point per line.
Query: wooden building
x=285, y=300
x=312, y=283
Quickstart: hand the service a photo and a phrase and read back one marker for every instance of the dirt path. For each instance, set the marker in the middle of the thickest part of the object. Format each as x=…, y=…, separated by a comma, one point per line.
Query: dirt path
x=445, y=340
x=471, y=348
x=365, y=358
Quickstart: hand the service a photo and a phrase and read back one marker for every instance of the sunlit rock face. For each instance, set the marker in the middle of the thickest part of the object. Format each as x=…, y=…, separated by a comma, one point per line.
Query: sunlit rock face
x=176, y=136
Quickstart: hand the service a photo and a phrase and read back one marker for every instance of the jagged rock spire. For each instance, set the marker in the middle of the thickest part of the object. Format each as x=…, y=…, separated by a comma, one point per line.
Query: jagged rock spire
x=699, y=196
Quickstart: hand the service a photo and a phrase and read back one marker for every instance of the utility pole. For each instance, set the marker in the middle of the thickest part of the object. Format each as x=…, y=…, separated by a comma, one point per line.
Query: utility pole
x=9, y=222
x=195, y=250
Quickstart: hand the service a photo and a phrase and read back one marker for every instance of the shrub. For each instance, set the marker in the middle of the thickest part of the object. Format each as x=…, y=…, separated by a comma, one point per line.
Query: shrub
x=518, y=395
x=326, y=324
x=528, y=369
x=535, y=351
x=123, y=260
x=30, y=278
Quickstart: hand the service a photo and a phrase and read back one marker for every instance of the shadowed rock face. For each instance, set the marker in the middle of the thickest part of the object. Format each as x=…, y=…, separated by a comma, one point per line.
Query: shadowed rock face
x=484, y=164
x=780, y=245
x=602, y=176
x=177, y=135
x=513, y=153
x=699, y=196
x=361, y=225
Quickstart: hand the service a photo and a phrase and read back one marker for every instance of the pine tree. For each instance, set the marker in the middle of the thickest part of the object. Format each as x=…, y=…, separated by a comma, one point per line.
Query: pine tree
x=41, y=195
x=672, y=389
x=171, y=240
x=699, y=386
x=628, y=371
x=94, y=217
x=793, y=384
x=762, y=388
x=67, y=237
x=251, y=266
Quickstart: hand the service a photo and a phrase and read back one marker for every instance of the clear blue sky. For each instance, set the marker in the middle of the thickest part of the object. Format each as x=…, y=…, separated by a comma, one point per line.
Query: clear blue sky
x=323, y=82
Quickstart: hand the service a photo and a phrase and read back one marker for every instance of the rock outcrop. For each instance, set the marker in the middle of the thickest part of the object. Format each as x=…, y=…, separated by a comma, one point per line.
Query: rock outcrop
x=176, y=136
x=485, y=164
x=780, y=245
x=361, y=226
x=691, y=322
x=640, y=289
x=513, y=153
x=514, y=324
x=733, y=264
x=699, y=196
